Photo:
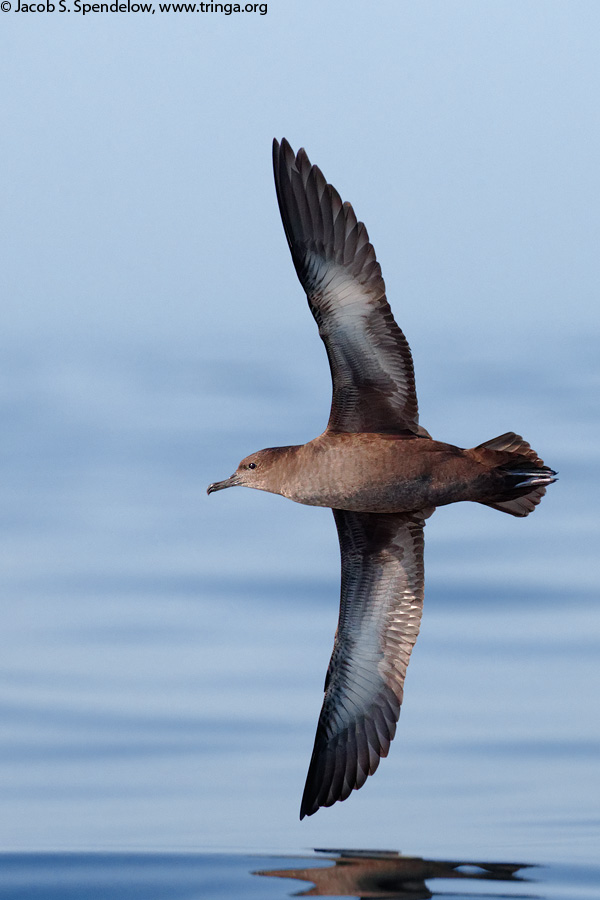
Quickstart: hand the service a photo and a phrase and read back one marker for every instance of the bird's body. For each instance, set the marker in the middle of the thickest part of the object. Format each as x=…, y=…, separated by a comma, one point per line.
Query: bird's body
x=384, y=473
x=379, y=471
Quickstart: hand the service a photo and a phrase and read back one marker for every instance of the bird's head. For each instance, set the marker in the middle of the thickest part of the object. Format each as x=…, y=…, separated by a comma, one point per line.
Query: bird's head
x=261, y=470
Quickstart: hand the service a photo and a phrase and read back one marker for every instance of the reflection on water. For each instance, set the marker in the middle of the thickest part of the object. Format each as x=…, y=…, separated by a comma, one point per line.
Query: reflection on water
x=231, y=876
x=385, y=873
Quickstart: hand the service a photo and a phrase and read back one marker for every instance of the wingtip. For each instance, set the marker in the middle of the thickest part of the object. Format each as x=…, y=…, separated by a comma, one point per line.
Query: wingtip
x=304, y=806
x=309, y=804
x=305, y=811
x=299, y=160
x=276, y=152
x=284, y=146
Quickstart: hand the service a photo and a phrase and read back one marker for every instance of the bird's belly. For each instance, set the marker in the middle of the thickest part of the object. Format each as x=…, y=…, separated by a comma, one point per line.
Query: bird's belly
x=400, y=496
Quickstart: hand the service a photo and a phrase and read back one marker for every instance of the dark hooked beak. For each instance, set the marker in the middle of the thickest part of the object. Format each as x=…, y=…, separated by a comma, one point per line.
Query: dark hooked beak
x=232, y=481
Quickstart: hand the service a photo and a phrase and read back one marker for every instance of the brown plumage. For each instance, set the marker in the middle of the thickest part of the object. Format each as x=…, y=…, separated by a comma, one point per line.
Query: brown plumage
x=379, y=471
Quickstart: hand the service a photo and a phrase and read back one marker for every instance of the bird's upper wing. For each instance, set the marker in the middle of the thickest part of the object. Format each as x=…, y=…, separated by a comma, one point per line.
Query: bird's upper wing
x=380, y=614
x=370, y=360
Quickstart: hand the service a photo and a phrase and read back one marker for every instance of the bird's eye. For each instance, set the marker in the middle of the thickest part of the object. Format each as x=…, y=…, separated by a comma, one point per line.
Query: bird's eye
x=251, y=465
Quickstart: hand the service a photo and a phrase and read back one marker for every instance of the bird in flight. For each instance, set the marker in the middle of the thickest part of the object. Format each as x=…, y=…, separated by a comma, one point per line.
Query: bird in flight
x=378, y=470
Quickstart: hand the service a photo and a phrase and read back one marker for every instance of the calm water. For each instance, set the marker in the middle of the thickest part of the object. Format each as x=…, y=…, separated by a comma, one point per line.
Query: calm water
x=163, y=653
x=326, y=873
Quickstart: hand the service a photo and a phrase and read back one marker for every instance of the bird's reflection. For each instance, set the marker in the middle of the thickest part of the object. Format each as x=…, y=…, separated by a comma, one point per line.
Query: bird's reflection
x=383, y=873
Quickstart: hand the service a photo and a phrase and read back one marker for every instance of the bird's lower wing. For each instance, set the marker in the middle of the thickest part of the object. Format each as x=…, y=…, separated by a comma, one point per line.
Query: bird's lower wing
x=380, y=615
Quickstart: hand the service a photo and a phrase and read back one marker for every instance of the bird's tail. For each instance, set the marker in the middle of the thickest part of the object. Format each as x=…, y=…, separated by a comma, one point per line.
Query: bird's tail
x=525, y=477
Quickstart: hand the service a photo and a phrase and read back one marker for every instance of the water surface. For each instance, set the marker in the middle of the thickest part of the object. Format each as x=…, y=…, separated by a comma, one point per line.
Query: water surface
x=163, y=653
x=347, y=873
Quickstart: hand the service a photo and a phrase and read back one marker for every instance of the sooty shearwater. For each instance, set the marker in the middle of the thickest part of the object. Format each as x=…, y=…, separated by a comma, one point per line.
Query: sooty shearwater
x=380, y=472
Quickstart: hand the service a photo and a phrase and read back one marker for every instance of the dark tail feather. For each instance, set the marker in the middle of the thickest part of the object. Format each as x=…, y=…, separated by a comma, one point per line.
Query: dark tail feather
x=527, y=470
